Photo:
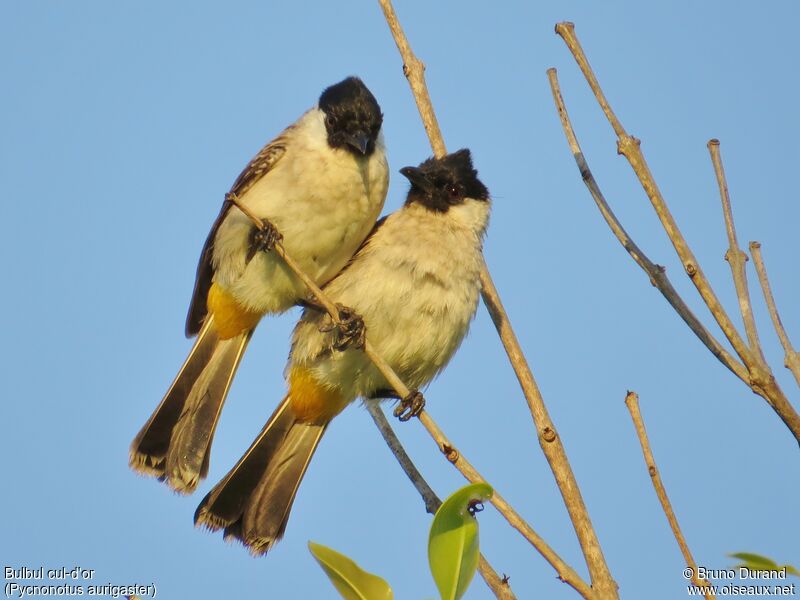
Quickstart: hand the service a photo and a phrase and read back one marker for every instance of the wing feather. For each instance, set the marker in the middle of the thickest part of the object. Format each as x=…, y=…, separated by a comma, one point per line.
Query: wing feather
x=261, y=164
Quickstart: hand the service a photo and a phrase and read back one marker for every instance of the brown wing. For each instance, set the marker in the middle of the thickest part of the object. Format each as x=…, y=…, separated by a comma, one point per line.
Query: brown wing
x=261, y=164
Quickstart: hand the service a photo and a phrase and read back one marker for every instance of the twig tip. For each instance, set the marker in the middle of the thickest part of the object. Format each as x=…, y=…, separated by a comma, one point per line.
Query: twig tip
x=564, y=26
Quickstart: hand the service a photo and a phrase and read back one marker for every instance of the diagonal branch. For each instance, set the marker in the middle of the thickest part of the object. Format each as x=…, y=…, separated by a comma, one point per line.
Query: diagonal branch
x=792, y=357
x=632, y=402
x=657, y=273
x=402, y=390
x=498, y=585
x=603, y=583
x=629, y=147
x=735, y=255
x=565, y=572
x=760, y=377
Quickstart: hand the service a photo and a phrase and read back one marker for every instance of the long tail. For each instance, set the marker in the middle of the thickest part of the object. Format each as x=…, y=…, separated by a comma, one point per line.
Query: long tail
x=253, y=501
x=174, y=445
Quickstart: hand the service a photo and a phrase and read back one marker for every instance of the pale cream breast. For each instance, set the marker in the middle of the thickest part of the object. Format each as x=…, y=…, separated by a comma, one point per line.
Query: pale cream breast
x=324, y=201
x=416, y=285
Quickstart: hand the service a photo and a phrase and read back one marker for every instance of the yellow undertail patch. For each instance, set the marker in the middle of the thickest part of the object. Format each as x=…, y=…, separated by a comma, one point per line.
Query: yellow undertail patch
x=230, y=317
x=311, y=402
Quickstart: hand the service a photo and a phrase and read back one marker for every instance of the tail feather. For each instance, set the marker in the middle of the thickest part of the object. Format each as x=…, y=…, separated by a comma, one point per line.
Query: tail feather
x=252, y=503
x=174, y=444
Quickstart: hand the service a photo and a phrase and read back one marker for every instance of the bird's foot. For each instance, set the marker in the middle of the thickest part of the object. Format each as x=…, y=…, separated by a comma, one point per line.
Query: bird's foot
x=264, y=239
x=349, y=332
x=410, y=406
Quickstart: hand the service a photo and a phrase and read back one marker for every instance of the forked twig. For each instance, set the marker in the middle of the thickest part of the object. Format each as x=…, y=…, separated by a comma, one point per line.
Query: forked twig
x=603, y=584
x=499, y=585
x=760, y=378
x=792, y=358
x=656, y=273
x=735, y=255
x=632, y=402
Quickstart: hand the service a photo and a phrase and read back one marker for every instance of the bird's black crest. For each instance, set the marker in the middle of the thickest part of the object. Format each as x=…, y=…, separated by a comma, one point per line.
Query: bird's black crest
x=352, y=116
x=440, y=183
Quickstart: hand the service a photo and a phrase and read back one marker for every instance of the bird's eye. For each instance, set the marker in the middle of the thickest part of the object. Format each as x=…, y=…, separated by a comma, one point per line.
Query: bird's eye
x=453, y=190
x=329, y=120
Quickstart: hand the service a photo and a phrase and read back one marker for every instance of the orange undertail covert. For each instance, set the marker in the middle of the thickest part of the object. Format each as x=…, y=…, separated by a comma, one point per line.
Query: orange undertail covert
x=311, y=402
x=230, y=317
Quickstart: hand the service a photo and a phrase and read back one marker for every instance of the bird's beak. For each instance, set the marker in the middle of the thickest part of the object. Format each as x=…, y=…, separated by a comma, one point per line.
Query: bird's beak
x=417, y=178
x=359, y=141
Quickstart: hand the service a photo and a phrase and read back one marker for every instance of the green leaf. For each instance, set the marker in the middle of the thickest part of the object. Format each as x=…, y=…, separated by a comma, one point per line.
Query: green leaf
x=453, y=541
x=757, y=562
x=350, y=580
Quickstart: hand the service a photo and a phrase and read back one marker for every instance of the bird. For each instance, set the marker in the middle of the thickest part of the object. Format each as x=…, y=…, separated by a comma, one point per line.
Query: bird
x=319, y=187
x=415, y=284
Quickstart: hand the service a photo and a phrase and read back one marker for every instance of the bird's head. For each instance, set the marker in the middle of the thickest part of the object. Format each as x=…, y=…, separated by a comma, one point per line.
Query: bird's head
x=352, y=116
x=441, y=183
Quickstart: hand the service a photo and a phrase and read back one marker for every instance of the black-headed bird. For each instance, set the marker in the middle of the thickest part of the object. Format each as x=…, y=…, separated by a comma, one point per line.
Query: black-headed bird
x=415, y=283
x=321, y=185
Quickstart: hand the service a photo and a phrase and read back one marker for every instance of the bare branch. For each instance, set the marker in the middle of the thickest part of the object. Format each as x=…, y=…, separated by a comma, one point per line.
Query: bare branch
x=384, y=367
x=735, y=255
x=657, y=273
x=414, y=70
x=499, y=585
x=565, y=572
x=632, y=402
x=761, y=380
x=602, y=581
x=792, y=357
x=429, y=497
x=629, y=147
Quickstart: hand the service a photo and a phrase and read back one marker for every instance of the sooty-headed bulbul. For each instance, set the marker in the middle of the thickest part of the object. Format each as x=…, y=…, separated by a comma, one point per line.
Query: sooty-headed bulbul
x=415, y=283
x=322, y=184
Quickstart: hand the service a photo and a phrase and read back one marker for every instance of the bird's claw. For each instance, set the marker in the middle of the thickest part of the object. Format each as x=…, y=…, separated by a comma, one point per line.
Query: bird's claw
x=349, y=332
x=264, y=239
x=410, y=406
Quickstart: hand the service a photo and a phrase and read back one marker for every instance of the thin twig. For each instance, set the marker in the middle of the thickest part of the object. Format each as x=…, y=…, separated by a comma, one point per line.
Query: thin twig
x=760, y=378
x=414, y=70
x=603, y=583
x=565, y=572
x=792, y=357
x=629, y=147
x=385, y=369
x=429, y=497
x=735, y=255
x=632, y=402
x=656, y=273
x=499, y=585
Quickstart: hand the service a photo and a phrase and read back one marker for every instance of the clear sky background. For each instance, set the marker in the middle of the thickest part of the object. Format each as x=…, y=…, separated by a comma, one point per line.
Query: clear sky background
x=124, y=123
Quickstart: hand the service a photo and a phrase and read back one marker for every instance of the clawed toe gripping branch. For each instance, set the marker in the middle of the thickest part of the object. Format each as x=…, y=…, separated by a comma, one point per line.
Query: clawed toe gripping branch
x=410, y=406
x=350, y=330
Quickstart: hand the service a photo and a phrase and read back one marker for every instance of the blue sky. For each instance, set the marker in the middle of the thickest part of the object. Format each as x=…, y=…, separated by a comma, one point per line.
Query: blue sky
x=125, y=123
